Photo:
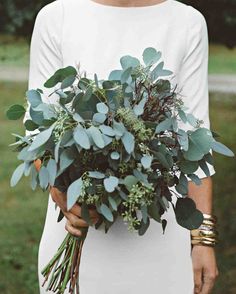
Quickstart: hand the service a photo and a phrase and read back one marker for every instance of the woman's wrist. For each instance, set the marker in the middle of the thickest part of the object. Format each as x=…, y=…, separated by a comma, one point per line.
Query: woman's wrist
x=206, y=234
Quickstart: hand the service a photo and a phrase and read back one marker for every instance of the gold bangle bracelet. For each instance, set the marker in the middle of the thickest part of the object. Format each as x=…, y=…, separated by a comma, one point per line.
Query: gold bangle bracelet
x=200, y=233
x=208, y=222
x=207, y=227
x=205, y=239
x=206, y=234
x=211, y=217
x=205, y=243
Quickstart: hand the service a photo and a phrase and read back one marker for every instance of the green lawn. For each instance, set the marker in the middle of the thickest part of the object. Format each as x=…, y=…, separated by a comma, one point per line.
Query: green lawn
x=22, y=211
x=222, y=60
x=15, y=52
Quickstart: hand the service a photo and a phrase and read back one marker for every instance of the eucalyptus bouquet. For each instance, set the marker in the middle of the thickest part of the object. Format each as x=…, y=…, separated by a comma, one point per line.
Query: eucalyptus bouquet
x=114, y=145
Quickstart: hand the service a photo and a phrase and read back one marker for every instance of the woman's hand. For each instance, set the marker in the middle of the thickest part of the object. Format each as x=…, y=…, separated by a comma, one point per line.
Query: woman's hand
x=74, y=220
x=205, y=268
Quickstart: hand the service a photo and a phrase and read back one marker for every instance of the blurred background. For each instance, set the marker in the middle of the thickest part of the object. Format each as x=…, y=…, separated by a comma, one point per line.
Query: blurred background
x=23, y=211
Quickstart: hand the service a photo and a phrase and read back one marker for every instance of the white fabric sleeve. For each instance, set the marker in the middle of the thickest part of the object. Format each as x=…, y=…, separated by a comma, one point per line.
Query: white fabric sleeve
x=193, y=75
x=45, y=49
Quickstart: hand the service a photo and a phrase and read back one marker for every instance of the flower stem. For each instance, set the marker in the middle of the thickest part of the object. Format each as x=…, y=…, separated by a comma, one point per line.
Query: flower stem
x=63, y=268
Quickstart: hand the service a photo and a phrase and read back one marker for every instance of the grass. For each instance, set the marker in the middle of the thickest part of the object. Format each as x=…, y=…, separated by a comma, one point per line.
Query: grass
x=23, y=211
x=223, y=119
x=14, y=52
x=222, y=60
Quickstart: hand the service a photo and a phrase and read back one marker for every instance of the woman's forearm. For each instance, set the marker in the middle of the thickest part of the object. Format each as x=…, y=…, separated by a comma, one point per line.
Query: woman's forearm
x=202, y=194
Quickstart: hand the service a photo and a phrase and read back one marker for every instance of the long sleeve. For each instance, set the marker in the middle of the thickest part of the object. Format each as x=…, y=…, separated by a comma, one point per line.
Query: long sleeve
x=193, y=76
x=45, y=47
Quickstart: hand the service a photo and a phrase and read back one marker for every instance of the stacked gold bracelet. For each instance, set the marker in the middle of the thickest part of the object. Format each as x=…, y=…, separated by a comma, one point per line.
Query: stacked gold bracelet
x=206, y=234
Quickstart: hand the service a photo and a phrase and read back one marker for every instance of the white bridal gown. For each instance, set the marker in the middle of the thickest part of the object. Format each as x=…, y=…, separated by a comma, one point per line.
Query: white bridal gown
x=67, y=32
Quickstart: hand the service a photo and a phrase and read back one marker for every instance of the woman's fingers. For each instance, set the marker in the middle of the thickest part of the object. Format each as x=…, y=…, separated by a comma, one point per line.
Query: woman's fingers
x=75, y=220
x=75, y=212
x=76, y=209
x=73, y=231
x=197, y=280
x=209, y=278
x=59, y=198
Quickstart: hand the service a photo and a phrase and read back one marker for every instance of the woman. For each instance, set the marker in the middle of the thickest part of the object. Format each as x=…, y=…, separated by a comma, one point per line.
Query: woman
x=95, y=34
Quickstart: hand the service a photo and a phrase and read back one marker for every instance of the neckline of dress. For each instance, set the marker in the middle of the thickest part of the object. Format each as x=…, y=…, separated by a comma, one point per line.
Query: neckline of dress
x=126, y=9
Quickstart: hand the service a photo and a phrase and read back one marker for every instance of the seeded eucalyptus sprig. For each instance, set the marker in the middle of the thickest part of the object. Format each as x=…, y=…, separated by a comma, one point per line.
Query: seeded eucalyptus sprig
x=115, y=145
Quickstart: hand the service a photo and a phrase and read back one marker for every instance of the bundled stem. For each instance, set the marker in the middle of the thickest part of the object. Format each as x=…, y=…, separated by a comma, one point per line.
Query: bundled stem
x=63, y=268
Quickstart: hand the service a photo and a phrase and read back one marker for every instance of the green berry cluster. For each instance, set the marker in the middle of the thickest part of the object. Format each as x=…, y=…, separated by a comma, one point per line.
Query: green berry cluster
x=130, y=120
x=139, y=195
x=60, y=128
x=85, y=197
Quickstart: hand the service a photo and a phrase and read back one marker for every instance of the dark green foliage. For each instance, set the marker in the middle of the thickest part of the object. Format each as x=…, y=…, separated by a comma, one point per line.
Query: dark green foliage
x=221, y=19
x=17, y=17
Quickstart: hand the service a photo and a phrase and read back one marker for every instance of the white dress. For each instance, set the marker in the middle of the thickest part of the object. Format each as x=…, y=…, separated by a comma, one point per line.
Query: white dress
x=68, y=32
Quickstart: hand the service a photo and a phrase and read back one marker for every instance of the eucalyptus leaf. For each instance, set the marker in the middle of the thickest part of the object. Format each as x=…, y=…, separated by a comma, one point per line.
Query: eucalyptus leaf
x=129, y=181
x=115, y=155
x=73, y=192
x=99, y=118
x=41, y=139
x=222, y=149
x=52, y=171
x=17, y=174
x=203, y=165
x=187, y=215
x=43, y=177
x=111, y=183
x=128, y=142
x=144, y=213
x=143, y=227
x=118, y=128
x=154, y=211
x=146, y=161
x=102, y=108
x=115, y=74
x=59, y=76
x=159, y=71
x=129, y=61
x=68, y=82
x=183, y=139
x=34, y=97
x=81, y=137
x=30, y=125
x=97, y=137
x=34, y=178
x=188, y=167
x=88, y=93
x=163, y=224
x=65, y=160
x=125, y=77
x=195, y=179
x=96, y=175
x=112, y=203
x=164, y=125
x=162, y=159
x=15, y=112
x=106, y=212
x=192, y=119
x=85, y=213
x=139, y=108
x=151, y=56
x=182, y=115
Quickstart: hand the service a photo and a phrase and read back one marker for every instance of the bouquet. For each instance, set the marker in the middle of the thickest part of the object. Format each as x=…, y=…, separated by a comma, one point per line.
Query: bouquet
x=114, y=145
